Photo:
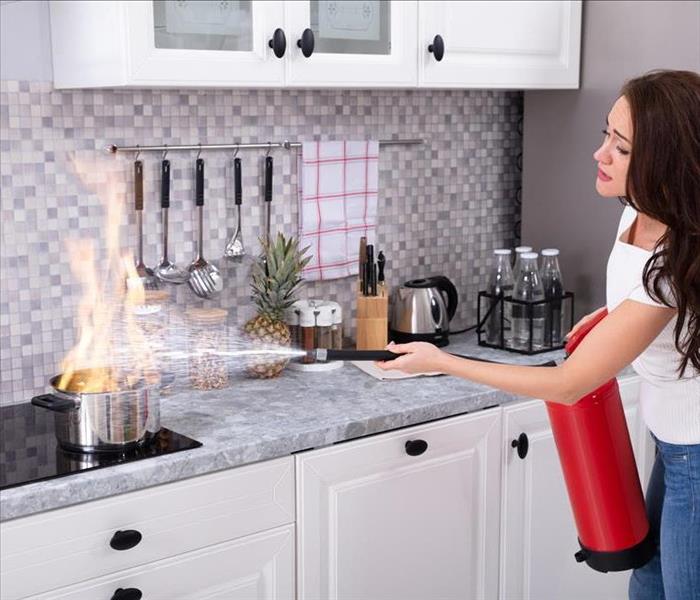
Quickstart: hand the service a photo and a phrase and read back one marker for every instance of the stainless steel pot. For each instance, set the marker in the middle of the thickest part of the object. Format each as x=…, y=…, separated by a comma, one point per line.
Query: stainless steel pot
x=105, y=421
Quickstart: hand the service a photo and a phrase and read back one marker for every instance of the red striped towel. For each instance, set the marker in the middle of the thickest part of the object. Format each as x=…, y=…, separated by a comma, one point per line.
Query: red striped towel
x=337, y=204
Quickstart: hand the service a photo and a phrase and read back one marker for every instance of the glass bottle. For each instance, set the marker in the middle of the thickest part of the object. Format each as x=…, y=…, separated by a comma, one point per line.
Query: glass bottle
x=519, y=251
x=553, y=292
x=500, y=284
x=528, y=319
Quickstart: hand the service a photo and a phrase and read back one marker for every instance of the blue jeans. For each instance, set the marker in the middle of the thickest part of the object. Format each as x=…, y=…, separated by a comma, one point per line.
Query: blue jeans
x=673, y=508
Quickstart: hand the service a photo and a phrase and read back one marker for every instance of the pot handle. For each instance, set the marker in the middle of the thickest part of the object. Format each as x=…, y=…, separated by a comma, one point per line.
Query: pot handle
x=445, y=285
x=55, y=403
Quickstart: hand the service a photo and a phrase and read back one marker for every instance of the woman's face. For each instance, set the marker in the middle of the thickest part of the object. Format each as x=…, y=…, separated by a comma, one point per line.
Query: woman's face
x=613, y=156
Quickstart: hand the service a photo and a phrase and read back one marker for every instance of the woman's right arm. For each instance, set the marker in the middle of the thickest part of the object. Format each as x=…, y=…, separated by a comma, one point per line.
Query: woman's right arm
x=583, y=320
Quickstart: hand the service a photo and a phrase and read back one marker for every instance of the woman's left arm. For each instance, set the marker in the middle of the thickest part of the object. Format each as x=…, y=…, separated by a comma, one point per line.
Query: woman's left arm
x=612, y=345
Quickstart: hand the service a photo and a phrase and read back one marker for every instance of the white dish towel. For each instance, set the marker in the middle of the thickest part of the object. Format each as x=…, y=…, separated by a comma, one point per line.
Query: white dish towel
x=338, y=184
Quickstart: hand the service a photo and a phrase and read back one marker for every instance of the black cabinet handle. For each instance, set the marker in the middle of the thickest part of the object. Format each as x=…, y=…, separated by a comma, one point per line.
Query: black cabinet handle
x=437, y=48
x=522, y=444
x=127, y=594
x=416, y=447
x=278, y=42
x=306, y=43
x=124, y=540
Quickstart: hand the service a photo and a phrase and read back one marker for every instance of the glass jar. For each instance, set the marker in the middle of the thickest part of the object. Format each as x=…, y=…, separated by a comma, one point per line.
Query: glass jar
x=324, y=322
x=207, y=366
x=152, y=321
x=307, y=330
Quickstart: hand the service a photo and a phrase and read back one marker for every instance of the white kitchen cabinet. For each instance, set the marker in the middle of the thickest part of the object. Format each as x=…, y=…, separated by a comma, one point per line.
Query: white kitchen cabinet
x=60, y=548
x=375, y=522
x=257, y=567
x=521, y=44
x=357, y=43
x=146, y=43
x=538, y=533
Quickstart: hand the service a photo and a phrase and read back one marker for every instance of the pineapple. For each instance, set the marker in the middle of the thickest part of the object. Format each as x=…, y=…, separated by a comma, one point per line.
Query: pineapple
x=276, y=278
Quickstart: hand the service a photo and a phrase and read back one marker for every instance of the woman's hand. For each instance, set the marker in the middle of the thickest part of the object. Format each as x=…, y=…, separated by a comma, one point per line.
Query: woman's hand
x=418, y=357
x=584, y=320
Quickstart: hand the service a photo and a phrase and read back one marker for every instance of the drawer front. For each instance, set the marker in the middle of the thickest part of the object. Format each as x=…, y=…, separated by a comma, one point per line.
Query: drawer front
x=65, y=546
x=257, y=567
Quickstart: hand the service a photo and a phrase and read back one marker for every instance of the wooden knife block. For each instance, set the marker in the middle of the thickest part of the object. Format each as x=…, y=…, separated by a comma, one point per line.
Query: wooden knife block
x=372, y=321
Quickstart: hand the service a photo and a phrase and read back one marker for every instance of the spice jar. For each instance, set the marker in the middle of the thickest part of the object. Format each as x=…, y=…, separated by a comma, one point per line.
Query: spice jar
x=307, y=330
x=207, y=367
x=324, y=322
x=336, y=326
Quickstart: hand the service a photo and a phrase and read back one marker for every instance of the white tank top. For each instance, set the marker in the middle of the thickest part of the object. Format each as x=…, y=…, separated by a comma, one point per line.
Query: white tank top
x=670, y=406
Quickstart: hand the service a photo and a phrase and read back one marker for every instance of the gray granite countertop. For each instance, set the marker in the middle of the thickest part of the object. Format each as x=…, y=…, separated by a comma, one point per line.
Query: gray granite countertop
x=254, y=420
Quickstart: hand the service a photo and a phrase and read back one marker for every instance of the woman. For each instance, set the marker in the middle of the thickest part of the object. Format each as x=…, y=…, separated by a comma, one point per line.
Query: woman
x=650, y=157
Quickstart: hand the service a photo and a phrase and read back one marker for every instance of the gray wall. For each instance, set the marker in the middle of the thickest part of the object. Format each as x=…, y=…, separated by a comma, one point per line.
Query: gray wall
x=442, y=206
x=562, y=129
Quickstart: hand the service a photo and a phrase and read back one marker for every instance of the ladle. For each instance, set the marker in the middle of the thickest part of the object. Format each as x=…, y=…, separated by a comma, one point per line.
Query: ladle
x=148, y=278
x=167, y=270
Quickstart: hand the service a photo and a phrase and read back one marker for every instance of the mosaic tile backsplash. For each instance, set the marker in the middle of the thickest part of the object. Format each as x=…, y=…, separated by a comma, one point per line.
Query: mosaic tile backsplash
x=443, y=206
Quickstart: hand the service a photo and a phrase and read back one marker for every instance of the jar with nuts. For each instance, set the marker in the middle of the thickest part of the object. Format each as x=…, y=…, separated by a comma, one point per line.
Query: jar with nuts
x=207, y=367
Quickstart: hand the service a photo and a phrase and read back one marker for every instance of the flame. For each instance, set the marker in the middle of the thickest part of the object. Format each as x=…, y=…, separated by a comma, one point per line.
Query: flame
x=112, y=351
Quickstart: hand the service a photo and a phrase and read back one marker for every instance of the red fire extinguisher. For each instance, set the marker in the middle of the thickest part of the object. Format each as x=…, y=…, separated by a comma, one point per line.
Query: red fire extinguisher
x=601, y=475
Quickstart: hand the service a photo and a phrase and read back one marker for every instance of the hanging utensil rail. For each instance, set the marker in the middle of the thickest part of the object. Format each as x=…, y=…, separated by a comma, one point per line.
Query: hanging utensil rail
x=286, y=144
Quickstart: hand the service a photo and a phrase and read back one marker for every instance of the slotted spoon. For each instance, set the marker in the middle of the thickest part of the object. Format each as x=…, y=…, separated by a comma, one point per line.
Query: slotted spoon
x=205, y=279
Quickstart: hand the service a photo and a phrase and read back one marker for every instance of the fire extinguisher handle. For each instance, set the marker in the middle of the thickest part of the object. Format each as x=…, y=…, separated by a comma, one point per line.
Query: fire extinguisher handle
x=522, y=444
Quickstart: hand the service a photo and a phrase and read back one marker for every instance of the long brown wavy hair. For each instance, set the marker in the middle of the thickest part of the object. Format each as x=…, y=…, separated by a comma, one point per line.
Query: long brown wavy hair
x=663, y=182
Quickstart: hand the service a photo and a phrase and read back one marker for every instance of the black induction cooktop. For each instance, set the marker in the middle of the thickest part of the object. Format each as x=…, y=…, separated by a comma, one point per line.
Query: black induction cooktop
x=29, y=451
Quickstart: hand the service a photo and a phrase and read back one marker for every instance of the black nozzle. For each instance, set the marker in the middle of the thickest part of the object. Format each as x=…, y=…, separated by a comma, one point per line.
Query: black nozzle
x=323, y=355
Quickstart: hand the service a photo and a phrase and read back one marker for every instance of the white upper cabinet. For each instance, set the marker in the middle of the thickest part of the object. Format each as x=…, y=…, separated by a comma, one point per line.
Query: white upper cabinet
x=315, y=43
x=506, y=44
x=356, y=43
x=159, y=43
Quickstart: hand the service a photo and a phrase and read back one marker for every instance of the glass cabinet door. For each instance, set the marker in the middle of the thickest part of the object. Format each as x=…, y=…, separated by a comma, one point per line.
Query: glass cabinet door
x=221, y=43
x=352, y=43
x=203, y=24
x=351, y=26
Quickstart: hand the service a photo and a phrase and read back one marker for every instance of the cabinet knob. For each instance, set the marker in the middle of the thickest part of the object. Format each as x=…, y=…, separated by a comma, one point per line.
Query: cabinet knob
x=522, y=444
x=278, y=42
x=306, y=43
x=416, y=447
x=437, y=48
x=127, y=594
x=124, y=540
